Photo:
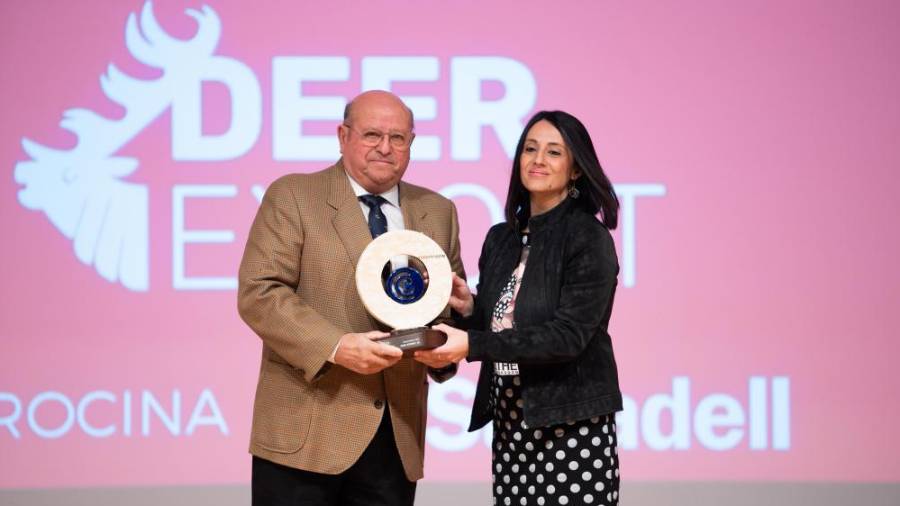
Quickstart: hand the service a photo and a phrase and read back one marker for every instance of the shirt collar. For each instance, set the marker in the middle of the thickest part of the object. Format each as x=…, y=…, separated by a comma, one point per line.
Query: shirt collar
x=392, y=195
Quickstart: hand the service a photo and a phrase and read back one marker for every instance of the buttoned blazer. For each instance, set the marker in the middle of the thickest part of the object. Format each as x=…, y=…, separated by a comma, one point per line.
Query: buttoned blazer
x=297, y=292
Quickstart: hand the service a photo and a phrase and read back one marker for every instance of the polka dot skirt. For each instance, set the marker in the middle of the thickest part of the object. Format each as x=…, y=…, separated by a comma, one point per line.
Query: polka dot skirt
x=569, y=464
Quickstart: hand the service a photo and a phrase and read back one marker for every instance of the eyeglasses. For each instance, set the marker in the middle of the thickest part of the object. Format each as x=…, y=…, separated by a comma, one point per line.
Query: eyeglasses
x=371, y=138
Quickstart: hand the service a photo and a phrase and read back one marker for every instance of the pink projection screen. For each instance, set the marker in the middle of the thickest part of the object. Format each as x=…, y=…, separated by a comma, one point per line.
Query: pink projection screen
x=753, y=145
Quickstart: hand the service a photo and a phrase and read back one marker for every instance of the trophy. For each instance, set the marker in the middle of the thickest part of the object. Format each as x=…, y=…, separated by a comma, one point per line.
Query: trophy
x=406, y=301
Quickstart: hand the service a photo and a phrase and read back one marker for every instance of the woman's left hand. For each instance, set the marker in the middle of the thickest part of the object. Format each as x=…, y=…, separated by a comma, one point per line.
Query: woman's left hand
x=455, y=349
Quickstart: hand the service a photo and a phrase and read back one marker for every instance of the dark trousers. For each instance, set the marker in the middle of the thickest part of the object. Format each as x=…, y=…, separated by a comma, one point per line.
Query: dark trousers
x=377, y=478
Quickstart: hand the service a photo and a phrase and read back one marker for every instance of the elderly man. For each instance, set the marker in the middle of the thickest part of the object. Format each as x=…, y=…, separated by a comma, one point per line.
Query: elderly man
x=339, y=418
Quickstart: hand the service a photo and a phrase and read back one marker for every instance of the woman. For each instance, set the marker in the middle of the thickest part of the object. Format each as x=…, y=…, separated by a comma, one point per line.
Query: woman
x=539, y=323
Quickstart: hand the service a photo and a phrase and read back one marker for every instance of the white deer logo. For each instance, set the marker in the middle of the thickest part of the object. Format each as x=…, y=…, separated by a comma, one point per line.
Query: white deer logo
x=83, y=191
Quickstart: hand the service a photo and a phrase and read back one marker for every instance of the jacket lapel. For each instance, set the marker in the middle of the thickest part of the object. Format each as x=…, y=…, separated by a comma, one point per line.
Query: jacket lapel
x=348, y=221
x=413, y=213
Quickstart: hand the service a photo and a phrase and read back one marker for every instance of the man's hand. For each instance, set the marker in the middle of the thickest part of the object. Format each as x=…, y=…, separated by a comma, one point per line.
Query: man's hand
x=361, y=354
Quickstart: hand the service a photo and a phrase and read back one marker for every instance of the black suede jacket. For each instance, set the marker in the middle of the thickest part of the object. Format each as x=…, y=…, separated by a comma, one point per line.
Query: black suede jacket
x=560, y=338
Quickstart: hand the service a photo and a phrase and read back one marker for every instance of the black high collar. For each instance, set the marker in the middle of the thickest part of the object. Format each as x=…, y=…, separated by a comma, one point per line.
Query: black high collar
x=548, y=219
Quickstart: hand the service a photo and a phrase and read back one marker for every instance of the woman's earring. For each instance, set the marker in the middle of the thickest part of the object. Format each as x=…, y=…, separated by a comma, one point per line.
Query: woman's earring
x=573, y=191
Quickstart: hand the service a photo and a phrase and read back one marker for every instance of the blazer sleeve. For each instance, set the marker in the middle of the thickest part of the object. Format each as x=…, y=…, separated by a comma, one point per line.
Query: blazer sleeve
x=586, y=294
x=267, y=286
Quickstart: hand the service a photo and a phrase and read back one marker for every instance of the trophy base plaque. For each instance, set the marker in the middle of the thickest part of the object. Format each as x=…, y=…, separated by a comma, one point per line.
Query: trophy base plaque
x=419, y=338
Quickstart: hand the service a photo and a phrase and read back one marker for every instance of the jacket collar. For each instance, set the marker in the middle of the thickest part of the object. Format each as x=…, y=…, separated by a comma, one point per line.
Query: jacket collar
x=552, y=217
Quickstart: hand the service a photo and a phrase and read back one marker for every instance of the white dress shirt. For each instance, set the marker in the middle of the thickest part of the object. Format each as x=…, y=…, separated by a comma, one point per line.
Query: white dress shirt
x=392, y=212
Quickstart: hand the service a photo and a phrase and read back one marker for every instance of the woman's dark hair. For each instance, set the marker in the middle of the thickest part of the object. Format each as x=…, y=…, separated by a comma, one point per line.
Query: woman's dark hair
x=596, y=192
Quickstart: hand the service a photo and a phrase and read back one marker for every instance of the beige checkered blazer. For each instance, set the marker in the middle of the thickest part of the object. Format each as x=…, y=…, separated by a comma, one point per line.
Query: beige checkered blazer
x=297, y=292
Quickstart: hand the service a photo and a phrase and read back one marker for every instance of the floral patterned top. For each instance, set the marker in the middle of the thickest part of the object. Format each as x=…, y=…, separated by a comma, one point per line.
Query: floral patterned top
x=502, y=316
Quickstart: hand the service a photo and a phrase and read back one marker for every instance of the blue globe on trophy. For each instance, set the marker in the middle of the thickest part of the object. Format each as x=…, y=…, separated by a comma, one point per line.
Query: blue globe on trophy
x=405, y=285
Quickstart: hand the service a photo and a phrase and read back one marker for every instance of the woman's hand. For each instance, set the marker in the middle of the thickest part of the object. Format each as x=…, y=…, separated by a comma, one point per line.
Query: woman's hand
x=455, y=349
x=461, y=299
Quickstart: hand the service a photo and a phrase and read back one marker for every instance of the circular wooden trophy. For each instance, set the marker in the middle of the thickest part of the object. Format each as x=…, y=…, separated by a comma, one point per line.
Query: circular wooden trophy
x=405, y=301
